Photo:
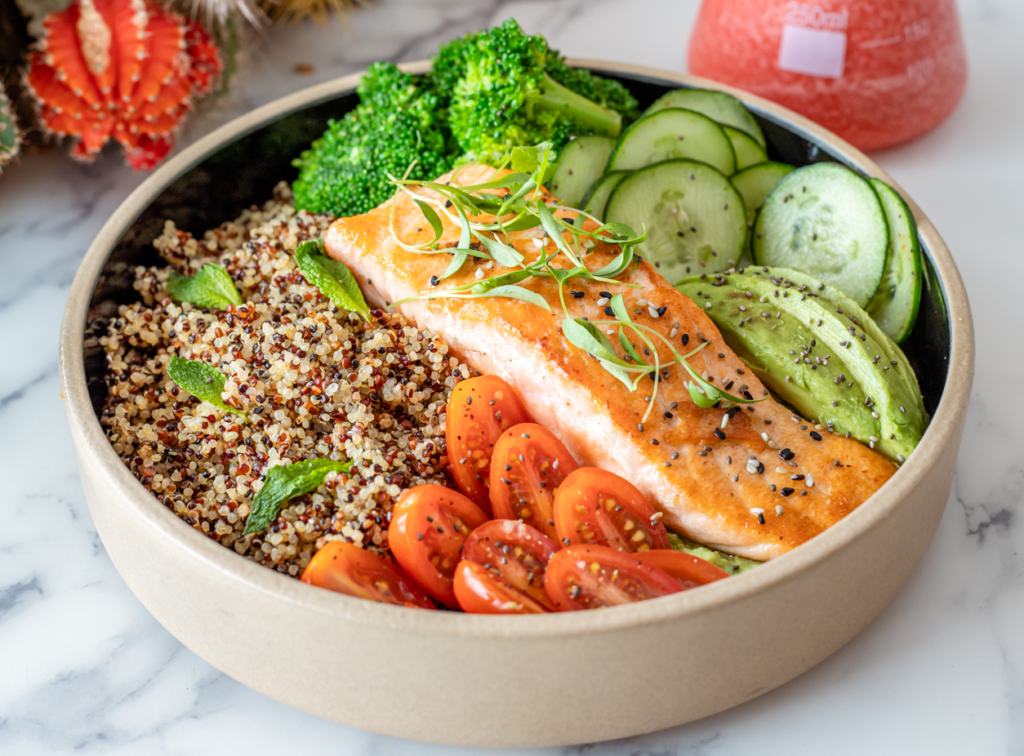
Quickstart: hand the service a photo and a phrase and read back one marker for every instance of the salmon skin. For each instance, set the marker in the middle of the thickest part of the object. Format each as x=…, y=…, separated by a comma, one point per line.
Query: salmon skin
x=754, y=480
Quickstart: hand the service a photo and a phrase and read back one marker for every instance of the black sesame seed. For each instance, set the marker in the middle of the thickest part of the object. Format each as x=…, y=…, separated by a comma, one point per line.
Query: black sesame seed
x=787, y=491
x=815, y=435
x=719, y=433
x=609, y=311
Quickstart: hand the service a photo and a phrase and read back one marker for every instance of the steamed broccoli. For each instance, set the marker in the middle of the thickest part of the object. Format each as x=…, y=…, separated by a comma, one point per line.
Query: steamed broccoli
x=508, y=89
x=398, y=121
x=489, y=92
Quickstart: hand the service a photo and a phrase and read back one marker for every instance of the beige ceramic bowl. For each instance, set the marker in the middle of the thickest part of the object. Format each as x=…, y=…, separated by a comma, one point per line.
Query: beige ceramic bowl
x=516, y=681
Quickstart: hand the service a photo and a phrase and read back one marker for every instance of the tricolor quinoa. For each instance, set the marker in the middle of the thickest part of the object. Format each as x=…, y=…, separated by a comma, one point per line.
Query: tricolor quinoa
x=313, y=380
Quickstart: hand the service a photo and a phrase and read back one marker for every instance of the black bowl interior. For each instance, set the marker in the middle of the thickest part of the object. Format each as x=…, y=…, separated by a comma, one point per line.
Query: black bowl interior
x=244, y=173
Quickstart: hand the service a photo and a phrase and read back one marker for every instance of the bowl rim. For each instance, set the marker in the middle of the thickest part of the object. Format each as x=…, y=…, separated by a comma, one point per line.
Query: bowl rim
x=95, y=450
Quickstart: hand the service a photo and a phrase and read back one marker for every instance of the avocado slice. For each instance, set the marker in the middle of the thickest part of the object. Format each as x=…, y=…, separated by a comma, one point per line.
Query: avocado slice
x=817, y=350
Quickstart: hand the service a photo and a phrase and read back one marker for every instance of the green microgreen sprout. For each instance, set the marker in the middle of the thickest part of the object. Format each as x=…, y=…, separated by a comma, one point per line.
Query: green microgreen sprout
x=525, y=206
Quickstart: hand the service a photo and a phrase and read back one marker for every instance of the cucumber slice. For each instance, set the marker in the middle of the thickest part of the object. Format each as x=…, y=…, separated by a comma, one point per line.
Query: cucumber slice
x=748, y=152
x=755, y=184
x=718, y=106
x=596, y=199
x=694, y=218
x=581, y=163
x=894, y=306
x=826, y=221
x=671, y=134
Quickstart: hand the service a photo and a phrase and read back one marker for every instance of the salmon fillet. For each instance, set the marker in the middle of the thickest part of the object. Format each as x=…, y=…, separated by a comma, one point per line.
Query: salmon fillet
x=722, y=492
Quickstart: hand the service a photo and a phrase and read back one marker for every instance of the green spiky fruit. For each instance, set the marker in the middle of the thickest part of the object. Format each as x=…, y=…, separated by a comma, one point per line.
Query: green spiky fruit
x=10, y=137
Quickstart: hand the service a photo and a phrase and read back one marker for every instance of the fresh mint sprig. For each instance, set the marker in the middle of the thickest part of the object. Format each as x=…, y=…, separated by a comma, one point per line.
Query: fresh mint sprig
x=334, y=280
x=210, y=287
x=203, y=381
x=285, y=482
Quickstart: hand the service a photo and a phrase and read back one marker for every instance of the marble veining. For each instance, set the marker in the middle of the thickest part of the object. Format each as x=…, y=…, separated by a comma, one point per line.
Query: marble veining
x=84, y=668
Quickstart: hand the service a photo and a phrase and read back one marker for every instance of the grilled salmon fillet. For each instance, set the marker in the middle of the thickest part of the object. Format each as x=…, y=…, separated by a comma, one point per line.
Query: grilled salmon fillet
x=755, y=484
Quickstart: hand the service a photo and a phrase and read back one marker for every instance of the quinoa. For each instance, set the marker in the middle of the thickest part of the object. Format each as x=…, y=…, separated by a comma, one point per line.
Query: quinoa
x=314, y=381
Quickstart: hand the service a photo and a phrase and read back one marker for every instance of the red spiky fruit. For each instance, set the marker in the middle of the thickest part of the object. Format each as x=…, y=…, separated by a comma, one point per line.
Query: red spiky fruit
x=122, y=69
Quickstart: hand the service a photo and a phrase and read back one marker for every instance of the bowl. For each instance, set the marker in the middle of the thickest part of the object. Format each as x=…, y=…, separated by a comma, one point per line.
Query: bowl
x=486, y=680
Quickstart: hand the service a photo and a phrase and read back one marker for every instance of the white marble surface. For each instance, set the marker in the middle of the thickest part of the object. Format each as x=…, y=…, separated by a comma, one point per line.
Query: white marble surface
x=84, y=668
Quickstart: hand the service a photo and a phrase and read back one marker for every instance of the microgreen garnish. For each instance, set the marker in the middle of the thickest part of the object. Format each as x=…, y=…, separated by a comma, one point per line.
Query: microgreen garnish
x=524, y=206
x=203, y=381
x=285, y=482
x=332, y=278
x=211, y=287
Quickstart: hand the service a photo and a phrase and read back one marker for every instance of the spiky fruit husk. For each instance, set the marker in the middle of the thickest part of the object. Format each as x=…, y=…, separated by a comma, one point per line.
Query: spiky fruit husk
x=10, y=137
x=122, y=69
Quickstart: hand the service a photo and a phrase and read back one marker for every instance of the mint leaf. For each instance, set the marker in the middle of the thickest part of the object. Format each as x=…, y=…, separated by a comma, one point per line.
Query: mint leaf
x=211, y=287
x=286, y=482
x=331, y=277
x=203, y=381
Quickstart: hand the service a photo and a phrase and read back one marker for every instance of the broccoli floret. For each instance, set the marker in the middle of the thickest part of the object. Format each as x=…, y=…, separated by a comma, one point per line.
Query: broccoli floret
x=502, y=96
x=605, y=92
x=398, y=121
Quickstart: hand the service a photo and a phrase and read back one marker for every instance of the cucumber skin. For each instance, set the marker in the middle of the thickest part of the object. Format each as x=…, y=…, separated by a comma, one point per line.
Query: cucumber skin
x=752, y=153
x=758, y=242
x=598, y=186
x=811, y=392
x=754, y=197
x=585, y=157
x=687, y=168
x=727, y=164
x=898, y=328
x=744, y=120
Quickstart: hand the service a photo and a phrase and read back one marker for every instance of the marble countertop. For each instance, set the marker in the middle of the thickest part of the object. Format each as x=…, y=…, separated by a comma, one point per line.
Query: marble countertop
x=84, y=668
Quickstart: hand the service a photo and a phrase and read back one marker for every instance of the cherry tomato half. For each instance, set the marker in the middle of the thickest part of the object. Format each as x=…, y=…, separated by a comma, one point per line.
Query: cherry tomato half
x=512, y=557
x=346, y=568
x=591, y=577
x=686, y=569
x=597, y=506
x=528, y=465
x=429, y=525
x=479, y=410
x=480, y=592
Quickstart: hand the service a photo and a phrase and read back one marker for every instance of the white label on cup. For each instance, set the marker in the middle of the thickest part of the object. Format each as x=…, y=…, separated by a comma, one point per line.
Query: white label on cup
x=815, y=52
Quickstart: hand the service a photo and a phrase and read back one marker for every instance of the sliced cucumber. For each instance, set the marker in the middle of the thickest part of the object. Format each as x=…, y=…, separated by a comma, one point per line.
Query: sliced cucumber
x=748, y=152
x=581, y=163
x=694, y=218
x=826, y=221
x=755, y=184
x=894, y=306
x=671, y=134
x=718, y=106
x=596, y=198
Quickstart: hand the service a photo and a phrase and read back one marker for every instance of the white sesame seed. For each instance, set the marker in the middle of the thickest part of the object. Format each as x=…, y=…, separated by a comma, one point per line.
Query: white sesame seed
x=779, y=510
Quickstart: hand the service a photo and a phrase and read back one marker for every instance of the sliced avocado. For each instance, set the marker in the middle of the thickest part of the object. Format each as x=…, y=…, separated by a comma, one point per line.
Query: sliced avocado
x=819, y=352
x=859, y=318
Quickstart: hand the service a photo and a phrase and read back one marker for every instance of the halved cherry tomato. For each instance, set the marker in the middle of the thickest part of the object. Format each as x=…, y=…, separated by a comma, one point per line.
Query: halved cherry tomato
x=479, y=410
x=512, y=557
x=597, y=506
x=346, y=568
x=429, y=525
x=591, y=577
x=686, y=569
x=528, y=465
x=480, y=592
